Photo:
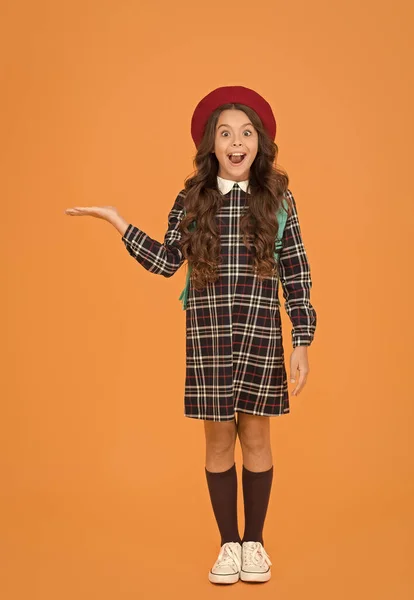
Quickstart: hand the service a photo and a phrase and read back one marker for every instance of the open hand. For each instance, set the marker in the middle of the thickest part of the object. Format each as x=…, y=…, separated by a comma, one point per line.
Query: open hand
x=299, y=362
x=100, y=212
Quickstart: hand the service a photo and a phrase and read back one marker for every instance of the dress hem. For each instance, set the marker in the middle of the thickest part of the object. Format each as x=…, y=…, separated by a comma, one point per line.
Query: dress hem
x=231, y=418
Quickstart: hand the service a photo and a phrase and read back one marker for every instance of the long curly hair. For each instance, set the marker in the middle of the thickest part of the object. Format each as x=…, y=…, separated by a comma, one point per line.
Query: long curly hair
x=200, y=242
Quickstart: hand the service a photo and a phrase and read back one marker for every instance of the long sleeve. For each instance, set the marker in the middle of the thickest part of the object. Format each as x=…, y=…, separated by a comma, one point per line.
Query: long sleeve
x=295, y=277
x=162, y=259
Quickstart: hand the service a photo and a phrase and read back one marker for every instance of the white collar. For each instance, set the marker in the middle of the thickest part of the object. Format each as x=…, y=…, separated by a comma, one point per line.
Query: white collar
x=225, y=185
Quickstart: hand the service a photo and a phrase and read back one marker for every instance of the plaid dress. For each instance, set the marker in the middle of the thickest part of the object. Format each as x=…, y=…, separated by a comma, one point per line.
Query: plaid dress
x=234, y=345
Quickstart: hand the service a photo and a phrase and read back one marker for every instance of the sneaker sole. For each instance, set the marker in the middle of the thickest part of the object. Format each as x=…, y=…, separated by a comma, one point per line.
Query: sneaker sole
x=246, y=576
x=231, y=578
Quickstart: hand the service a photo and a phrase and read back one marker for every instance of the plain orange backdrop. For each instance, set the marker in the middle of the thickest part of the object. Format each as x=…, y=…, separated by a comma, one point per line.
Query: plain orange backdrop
x=103, y=492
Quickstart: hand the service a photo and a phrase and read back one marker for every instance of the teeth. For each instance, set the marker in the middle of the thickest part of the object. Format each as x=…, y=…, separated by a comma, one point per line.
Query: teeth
x=237, y=154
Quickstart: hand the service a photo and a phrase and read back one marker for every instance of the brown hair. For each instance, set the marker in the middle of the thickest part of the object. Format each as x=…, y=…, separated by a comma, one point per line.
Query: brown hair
x=258, y=224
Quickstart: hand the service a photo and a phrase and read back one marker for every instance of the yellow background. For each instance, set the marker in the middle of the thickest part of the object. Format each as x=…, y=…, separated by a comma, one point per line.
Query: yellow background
x=103, y=492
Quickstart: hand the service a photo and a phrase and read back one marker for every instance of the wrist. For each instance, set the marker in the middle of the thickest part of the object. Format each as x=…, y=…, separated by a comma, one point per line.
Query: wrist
x=119, y=223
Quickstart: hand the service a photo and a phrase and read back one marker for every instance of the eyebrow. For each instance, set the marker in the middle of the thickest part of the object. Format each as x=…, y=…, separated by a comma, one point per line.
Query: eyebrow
x=225, y=125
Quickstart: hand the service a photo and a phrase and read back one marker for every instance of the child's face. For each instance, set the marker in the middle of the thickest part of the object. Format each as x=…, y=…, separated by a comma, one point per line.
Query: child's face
x=235, y=133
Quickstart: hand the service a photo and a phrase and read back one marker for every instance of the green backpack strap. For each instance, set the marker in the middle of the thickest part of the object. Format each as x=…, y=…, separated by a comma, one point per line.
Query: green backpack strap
x=281, y=217
x=184, y=294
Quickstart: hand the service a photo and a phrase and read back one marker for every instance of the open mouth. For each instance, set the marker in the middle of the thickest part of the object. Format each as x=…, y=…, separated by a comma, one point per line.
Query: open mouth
x=236, y=158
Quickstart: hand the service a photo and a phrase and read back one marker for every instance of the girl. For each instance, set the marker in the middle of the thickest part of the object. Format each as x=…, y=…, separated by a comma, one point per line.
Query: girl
x=225, y=223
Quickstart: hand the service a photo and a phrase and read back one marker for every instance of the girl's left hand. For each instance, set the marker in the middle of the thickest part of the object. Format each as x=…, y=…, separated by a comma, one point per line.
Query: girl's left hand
x=299, y=362
x=107, y=213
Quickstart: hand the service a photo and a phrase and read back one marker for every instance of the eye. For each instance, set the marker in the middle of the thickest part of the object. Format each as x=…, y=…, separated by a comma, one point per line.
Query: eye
x=245, y=131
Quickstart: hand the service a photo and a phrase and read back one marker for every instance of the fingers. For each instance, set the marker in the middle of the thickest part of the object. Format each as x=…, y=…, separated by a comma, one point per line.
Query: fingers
x=303, y=374
x=294, y=365
x=302, y=380
x=91, y=211
x=101, y=212
x=77, y=210
x=293, y=374
x=299, y=362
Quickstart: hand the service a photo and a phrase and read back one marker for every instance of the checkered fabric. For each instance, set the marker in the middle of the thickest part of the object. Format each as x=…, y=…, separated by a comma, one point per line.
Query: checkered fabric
x=234, y=345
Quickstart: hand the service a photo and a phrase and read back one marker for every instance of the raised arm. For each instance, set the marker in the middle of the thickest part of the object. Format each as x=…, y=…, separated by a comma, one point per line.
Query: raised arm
x=162, y=259
x=295, y=277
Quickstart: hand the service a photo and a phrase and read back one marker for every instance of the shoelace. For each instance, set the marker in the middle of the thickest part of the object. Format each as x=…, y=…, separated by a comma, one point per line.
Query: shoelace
x=228, y=556
x=255, y=554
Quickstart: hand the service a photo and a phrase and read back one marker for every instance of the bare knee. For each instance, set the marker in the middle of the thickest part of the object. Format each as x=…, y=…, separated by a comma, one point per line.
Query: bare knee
x=254, y=435
x=220, y=443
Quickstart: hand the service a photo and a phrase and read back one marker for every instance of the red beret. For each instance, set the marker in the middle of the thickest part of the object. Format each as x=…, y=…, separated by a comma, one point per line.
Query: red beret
x=226, y=95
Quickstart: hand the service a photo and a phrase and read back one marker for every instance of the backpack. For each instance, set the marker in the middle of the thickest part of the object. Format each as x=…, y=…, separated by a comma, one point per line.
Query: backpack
x=281, y=217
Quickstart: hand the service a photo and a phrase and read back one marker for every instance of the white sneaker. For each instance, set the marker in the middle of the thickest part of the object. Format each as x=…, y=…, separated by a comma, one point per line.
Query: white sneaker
x=227, y=567
x=255, y=562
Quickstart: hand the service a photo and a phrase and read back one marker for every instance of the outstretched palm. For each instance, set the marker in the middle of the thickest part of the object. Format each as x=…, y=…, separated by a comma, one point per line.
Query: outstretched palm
x=100, y=212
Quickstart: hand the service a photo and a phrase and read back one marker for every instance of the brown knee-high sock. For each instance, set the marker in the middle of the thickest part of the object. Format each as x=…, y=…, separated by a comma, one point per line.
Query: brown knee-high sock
x=223, y=494
x=256, y=494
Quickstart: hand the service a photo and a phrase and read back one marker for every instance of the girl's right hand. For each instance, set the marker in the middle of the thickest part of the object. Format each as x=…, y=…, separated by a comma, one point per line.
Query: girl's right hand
x=108, y=213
